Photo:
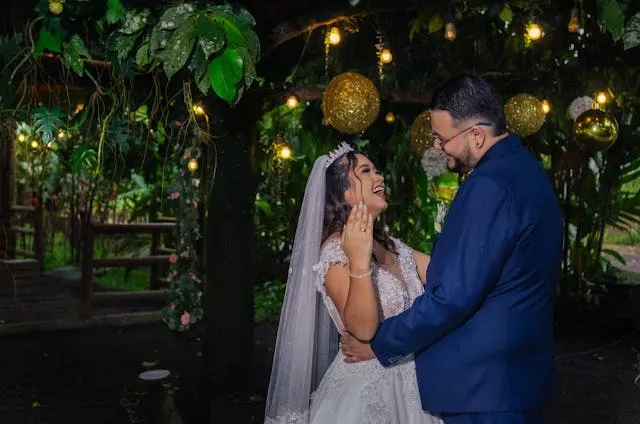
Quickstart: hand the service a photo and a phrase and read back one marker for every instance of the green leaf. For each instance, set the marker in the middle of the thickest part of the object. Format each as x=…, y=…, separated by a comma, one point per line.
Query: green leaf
x=122, y=44
x=115, y=11
x=47, y=41
x=143, y=56
x=79, y=46
x=159, y=39
x=84, y=157
x=179, y=49
x=250, y=73
x=134, y=21
x=46, y=122
x=225, y=71
x=615, y=255
x=200, y=67
x=435, y=23
x=212, y=35
x=237, y=27
x=244, y=18
x=506, y=14
x=631, y=37
x=175, y=16
x=612, y=17
x=72, y=59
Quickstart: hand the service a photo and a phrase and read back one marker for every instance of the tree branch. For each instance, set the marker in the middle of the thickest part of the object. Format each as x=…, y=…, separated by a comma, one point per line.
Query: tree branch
x=287, y=31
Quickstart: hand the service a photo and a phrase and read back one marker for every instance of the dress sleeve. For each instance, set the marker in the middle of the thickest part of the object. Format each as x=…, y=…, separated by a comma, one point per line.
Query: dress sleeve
x=331, y=253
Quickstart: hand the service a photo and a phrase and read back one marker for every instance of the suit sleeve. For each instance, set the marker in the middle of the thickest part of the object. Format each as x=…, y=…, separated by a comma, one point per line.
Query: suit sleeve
x=475, y=242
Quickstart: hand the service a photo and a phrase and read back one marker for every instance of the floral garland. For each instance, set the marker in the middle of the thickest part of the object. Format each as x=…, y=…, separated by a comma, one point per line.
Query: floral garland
x=184, y=306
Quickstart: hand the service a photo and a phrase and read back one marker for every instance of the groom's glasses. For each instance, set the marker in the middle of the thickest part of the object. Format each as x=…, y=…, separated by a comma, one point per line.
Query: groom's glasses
x=442, y=142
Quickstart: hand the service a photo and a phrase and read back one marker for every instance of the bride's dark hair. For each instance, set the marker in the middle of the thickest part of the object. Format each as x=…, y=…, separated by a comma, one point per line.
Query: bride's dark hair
x=336, y=208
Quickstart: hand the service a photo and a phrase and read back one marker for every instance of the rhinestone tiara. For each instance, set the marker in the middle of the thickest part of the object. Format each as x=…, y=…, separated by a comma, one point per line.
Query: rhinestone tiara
x=342, y=149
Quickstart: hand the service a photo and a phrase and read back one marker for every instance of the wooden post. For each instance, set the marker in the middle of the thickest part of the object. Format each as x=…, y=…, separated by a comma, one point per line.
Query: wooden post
x=7, y=245
x=38, y=236
x=155, y=269
x=87, y=272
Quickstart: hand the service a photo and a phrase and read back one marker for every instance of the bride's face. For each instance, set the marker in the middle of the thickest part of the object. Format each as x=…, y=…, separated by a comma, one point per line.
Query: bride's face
x=366, y=185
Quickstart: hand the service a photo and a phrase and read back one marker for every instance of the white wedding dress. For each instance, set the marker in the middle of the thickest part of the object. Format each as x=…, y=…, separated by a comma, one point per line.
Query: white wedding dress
x=366, y=392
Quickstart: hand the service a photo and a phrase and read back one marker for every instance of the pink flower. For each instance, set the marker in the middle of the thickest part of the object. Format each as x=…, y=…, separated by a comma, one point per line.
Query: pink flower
x=193, y=276
x=184, y=319
x=173, y=272
x=173, y=258
x=172, y=306
x=175, y=195
x=178, y=124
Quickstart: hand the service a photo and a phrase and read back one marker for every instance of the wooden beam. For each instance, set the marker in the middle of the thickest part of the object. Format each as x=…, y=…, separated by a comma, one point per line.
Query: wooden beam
x=131, y=262
x=148, y=228
x=314, y=92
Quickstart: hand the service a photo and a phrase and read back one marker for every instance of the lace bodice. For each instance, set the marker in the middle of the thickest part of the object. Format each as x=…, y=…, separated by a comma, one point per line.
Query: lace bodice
x=395, y=295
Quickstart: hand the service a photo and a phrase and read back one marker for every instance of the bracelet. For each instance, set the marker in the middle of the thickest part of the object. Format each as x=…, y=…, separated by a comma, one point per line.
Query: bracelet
x=361, y=275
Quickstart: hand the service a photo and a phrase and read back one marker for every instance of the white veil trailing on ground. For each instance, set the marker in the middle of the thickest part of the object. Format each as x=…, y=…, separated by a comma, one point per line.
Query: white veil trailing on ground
x=307, y=340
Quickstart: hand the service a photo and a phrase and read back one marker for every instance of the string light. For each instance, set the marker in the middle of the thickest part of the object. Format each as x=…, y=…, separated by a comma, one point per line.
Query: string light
x=450, y=31
x=334, y=36
x=34, y=144
x=386, y=56
x=22, y=137
x=198, y=110
x=546, y=106
x=285, y=152
x=390, y=118
x=602, y=98
x=292, y=102
x=61, y=134
x=574, y=22
x=192, y=165
x=534, y=32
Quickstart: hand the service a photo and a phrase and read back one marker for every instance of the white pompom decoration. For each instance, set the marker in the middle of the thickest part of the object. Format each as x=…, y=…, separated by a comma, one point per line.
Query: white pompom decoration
x=434, y=162
x=580, y=105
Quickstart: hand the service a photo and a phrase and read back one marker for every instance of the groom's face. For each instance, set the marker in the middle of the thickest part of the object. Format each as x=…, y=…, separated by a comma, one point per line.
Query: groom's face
x=452, y=141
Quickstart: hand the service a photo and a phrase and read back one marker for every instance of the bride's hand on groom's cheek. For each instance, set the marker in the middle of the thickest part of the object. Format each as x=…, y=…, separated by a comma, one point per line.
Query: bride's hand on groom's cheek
x=357, y=238
x=354, y=350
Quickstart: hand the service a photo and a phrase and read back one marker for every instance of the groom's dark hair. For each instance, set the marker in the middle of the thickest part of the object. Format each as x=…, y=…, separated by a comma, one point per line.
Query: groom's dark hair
x=469, y=96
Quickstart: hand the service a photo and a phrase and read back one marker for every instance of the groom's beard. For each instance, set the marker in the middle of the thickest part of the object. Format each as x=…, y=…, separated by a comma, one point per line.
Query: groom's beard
x=459, y=165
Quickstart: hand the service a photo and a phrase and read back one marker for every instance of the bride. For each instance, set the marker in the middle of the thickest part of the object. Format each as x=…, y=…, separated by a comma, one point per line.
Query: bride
x=311, y=380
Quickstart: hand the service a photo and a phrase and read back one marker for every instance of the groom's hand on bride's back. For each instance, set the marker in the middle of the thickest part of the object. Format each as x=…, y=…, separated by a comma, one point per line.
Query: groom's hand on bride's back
x=354, y=350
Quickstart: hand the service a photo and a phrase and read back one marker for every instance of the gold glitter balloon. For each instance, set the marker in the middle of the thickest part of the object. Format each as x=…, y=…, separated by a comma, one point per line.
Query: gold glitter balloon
x=525, y=114
x=421, y=138
x=595, y=130
x=350, y=103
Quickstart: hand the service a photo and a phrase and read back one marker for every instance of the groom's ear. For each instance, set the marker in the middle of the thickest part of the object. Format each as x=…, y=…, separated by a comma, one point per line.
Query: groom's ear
x=480, y=136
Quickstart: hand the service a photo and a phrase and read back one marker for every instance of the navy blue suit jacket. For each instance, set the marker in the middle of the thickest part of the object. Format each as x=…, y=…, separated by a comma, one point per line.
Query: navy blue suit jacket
x=482, y=333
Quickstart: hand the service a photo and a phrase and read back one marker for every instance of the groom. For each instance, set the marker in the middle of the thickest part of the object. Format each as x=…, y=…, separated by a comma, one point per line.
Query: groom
x=482, y=333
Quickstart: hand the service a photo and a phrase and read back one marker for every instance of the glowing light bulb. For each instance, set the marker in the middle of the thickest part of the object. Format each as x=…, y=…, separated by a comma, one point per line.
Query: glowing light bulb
x=386, y=56
x=198, y=110
x=61, y=134
x=534, y=32
x=285, y=152
x=602, y=98
x=574, y=22
x=450, y=31
x=292, y=102
x=22, y=137
x=546, y=106
x=34, y=144
x=390, y=118
x=192, y=165
x=334, y=36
